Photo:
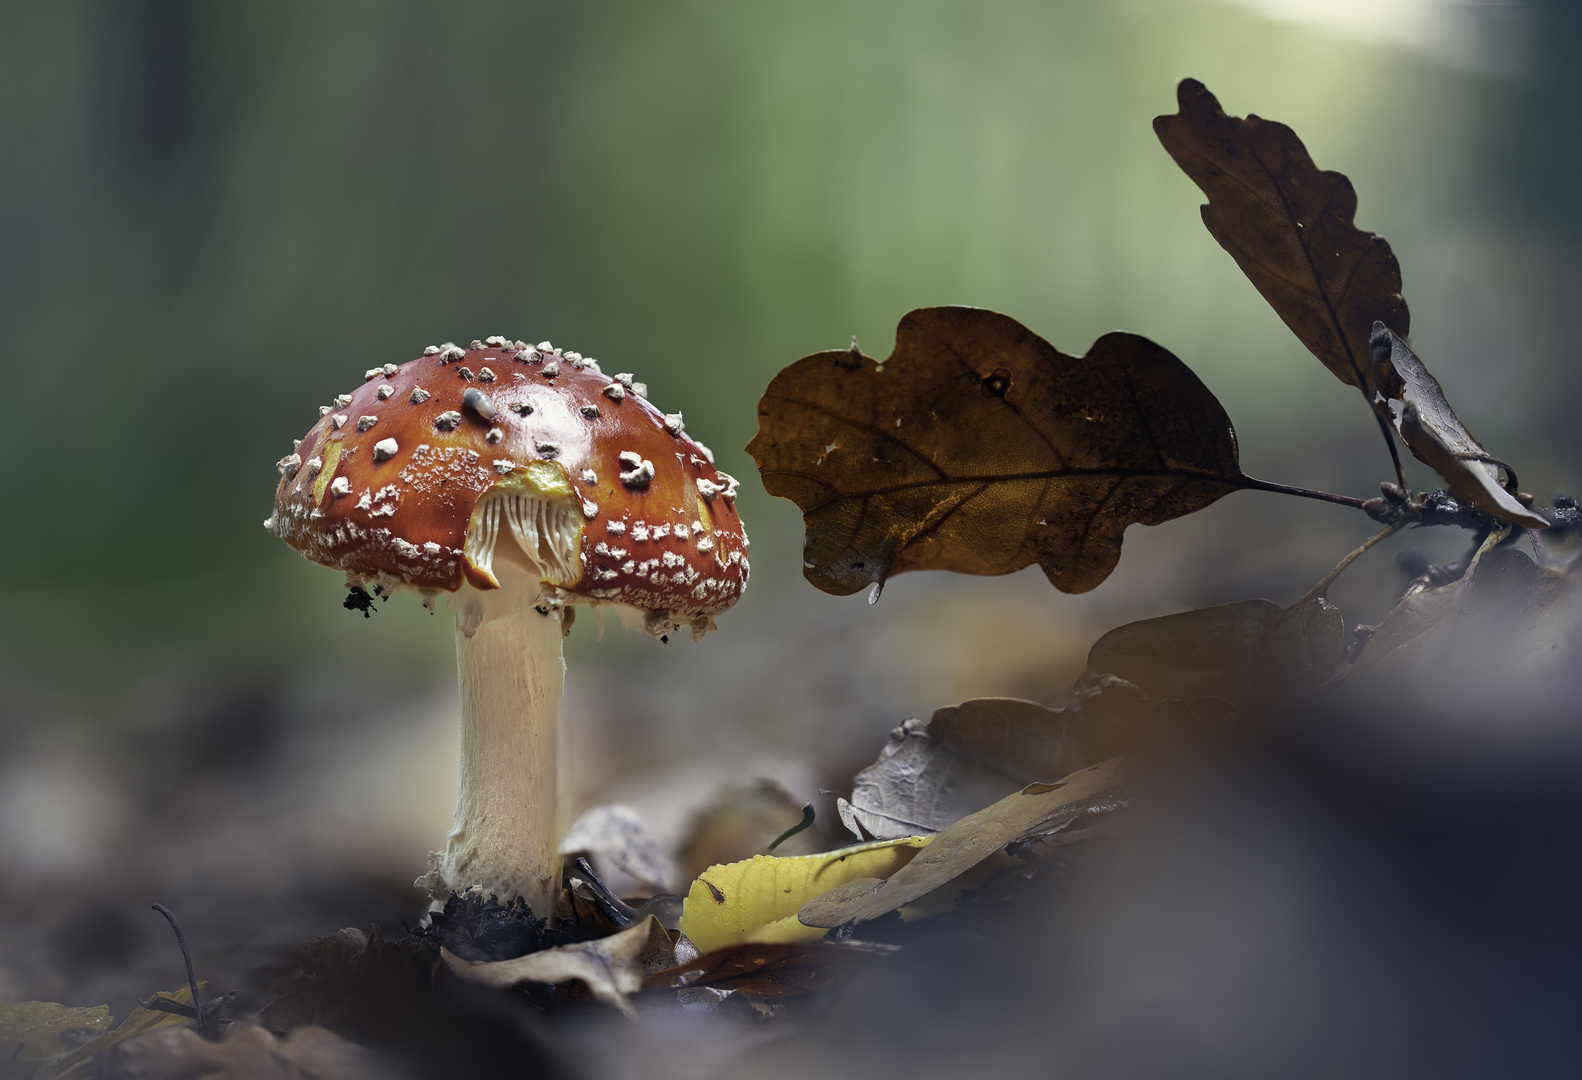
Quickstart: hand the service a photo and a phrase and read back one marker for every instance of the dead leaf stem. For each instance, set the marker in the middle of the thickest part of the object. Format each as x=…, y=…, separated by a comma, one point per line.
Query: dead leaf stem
x=1255, y=484
x=1329, y=579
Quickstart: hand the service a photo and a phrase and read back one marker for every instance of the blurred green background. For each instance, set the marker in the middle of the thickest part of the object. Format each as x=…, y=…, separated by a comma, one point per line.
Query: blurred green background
x=215, y=216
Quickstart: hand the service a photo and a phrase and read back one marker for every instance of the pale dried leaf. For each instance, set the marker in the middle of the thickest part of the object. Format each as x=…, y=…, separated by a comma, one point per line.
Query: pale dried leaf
x=1437, y=437
x=616, y=835
x=612, y=968
x=956, y=850
x=962, y=759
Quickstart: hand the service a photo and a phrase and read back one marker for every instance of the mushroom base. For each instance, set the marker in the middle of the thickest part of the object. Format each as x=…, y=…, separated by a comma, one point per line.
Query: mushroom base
x=512, y=674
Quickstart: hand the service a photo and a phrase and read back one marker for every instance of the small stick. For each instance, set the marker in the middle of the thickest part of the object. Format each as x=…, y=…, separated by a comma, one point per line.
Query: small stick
x=186, y=955
x=1329, y=579
x=1255, y=484
x=807, y=819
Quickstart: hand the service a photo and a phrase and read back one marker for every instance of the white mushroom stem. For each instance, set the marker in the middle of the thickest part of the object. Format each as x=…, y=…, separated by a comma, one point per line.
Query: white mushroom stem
x=512, y=672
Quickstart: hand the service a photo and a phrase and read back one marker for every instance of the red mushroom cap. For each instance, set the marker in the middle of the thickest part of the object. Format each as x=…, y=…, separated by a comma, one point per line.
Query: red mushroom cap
x=413, y=477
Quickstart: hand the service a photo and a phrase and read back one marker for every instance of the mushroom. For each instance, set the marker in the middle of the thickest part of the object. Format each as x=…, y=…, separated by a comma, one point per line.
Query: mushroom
x=518, y=498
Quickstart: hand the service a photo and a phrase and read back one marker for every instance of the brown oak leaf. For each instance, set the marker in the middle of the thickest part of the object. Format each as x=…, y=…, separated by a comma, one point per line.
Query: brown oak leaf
x=980, y=448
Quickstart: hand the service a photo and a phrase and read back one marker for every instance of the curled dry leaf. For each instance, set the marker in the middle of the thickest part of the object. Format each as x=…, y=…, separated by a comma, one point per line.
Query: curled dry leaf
x=967, y=756
x=1289, y=227
x=1436, y=436
x=757, y=900
x=612, y=968
x=1508, y=619
x=954, y=851
x=617, y=836
x=978, y=447
x=1230, y=651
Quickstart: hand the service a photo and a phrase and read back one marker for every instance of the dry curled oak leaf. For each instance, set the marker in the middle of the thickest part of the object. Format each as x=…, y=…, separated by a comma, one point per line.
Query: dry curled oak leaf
x=1289, y=227
x=979, y=447
x=1436, y=436
x=1036, y=808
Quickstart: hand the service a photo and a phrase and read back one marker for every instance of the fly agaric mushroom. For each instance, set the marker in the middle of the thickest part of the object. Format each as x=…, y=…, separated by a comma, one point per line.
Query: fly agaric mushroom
x=519, y=480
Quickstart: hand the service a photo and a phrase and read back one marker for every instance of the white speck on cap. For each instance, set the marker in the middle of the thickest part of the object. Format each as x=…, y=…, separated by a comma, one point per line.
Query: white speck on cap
x=475, y=344
x=681, y=530
x=674, y=423
x=419, y=395
x=325, y=410
x=640, y=389
x=705, y=544
x=385, y=392
x=343, y=400
x=340, y=486
x=366, y=422
x=590, y=509
x=385, y=449
x=615, y=528
x=709, y=489
x=447, y=421
x=338, y=419
x=590, y=411
x=373, y=373
x=731, y=485
x=548, y=449
x=494, y=436
x=659, y=532
x=315, y=465
x=289, y=465
x=638, y=472
x=640, y=531
x=495, y=341
x=615, y=391
x=485, y=375
x=589, y=476
x=431, y=350
x=365, y=502
x=432, y=548
x=549, y=370
x=706, y=451
x=625, y=379
x=391, y=369
x=451, y=353
x=504, y=466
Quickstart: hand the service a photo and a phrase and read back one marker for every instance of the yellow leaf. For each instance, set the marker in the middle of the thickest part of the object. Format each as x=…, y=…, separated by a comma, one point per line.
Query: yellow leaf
x=757, y=900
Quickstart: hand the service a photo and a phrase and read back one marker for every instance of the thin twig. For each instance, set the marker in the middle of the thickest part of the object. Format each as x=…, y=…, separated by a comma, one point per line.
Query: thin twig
x=1389, y=441
x=1329, y=579
x=1306, y=493
x=807, y=819
x=186, y=955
